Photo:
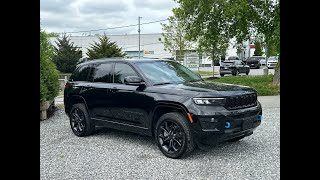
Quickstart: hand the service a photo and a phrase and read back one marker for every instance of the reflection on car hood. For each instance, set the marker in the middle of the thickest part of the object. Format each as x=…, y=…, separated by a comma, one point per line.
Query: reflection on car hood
x=203, y=88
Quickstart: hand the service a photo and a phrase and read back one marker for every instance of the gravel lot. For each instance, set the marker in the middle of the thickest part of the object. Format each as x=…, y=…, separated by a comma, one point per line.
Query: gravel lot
x=111, y=154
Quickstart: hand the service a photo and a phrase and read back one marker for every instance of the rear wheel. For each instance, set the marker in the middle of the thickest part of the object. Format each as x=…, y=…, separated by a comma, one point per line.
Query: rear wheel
x=173, y=135
x=80, y=122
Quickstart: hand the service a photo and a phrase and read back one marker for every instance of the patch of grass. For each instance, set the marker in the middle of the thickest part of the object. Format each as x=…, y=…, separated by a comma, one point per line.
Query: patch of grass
x=263, y=84
x=205, y=72
x=60, y=105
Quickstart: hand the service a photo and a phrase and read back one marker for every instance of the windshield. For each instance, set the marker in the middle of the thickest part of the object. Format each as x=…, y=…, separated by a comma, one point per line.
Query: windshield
x=233, y=58
x=228, y=62
x=272, y=59
x=167, y=72
x=254, y=58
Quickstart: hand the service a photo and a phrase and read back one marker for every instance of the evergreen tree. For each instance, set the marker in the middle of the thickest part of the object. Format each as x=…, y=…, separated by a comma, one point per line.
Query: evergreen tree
x=66, y=55
x=258, y=49
x=104, y=49
x=49, y=84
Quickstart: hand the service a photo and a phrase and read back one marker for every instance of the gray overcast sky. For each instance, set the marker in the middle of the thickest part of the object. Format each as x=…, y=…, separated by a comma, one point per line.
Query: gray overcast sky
x=79, y=15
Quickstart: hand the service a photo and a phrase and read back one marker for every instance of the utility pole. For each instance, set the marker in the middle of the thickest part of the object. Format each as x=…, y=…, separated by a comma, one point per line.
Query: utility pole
x=139, y=33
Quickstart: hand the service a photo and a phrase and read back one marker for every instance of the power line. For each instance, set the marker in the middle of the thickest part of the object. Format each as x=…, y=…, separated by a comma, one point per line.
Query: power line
x=114, y=27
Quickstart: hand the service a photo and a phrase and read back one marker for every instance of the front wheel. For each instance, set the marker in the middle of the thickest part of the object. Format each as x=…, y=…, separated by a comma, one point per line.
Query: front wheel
x=221, y=75
x=173, y=135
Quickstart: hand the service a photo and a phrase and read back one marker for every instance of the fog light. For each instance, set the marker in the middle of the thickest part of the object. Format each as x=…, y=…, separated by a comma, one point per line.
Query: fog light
x=259, y=117
x=227, y=126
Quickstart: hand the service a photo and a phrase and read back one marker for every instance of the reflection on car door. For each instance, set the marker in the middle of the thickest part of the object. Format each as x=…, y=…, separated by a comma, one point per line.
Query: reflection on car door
x=97, y=93
x=126, y=106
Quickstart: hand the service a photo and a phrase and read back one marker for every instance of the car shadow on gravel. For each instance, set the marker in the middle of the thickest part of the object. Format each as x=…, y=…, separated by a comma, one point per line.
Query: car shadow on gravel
x=223, y=149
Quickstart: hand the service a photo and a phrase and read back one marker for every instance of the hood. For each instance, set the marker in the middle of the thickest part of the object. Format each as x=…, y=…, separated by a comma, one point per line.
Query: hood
x=203, y=89
x=273, y=61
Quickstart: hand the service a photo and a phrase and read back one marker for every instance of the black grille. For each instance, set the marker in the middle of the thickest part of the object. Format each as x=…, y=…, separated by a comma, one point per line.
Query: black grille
x=241, y=101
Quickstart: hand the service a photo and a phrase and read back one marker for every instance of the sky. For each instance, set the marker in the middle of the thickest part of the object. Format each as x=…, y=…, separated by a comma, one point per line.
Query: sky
x=82, y=15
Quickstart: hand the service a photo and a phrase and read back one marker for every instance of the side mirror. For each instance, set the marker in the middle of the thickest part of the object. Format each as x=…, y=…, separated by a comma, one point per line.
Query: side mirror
x=133, y=80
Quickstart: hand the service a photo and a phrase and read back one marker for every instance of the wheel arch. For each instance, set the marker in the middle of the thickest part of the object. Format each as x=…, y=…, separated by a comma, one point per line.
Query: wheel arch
x=164, y=107
x=75, y=99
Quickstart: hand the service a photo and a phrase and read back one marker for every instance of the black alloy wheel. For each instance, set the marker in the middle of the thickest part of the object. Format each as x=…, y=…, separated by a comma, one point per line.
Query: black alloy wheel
x=80, y=122
x=173, y=135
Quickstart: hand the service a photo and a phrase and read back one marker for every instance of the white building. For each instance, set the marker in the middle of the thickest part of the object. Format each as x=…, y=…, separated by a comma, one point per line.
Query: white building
x=150, y=46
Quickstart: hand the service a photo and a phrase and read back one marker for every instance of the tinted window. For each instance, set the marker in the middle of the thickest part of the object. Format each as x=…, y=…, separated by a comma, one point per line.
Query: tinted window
x=101, y=73
x=121, y=71
x=81, y=73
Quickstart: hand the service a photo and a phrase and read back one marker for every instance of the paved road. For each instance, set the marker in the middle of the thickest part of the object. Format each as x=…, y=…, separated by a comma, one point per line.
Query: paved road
x=111, y=154
x=253, y=72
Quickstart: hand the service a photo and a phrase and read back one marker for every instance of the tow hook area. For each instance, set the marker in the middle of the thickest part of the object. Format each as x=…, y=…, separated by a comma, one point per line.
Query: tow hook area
x=227, y=125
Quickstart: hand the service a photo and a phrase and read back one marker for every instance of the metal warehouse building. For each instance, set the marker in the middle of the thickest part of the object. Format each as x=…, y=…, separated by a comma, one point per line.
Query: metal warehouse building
x=150, y=46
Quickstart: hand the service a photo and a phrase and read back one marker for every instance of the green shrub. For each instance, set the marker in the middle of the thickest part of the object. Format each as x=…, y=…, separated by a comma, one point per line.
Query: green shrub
x=49, y=84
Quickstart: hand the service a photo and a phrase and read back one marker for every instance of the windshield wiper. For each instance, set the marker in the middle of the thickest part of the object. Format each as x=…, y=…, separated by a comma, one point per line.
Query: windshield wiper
x=162, y=83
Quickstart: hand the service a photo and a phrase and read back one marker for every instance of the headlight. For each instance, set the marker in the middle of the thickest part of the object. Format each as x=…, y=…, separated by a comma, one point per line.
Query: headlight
x=210, y=101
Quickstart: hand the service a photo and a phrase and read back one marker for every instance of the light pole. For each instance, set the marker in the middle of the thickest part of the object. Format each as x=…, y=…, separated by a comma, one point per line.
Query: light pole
x=139, y=33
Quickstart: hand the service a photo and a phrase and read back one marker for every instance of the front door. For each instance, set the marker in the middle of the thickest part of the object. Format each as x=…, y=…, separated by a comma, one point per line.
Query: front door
x=128, y=104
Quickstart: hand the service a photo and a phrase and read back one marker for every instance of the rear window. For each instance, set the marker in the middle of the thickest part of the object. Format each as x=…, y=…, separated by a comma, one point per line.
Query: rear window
x=81, y=73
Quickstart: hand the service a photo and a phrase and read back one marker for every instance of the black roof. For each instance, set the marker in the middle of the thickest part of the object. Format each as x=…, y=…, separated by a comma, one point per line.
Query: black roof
x=120, y=59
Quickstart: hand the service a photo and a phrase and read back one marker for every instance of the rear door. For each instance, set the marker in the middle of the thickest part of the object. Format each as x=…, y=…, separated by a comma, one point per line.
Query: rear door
x=97, y=92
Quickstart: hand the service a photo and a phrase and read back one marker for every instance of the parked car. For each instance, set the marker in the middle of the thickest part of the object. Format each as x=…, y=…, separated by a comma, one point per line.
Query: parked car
x=254, y=62
x=234, y=67
x=263, y=61
x=272, y=62
x=159, y=98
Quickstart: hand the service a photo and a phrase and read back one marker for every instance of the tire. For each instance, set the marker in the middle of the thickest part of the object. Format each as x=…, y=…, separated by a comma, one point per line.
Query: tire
x=236, y=139
x=80, y=121
x=175, y=130
x=247, y=73
x=221, y=75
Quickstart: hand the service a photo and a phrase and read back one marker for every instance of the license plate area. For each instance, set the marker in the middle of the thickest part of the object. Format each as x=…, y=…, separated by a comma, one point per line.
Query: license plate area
x=247, y=124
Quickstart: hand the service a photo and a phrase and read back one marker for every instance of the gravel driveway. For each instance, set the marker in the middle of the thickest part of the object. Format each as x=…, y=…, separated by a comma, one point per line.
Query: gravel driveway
x=111, y=154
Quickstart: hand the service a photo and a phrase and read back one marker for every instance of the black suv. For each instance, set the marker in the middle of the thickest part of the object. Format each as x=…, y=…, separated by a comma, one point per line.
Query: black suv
x=234, y=67
x=159, y=98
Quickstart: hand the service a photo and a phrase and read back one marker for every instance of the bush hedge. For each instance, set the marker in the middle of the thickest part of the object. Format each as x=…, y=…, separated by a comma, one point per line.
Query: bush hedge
x=49, y=83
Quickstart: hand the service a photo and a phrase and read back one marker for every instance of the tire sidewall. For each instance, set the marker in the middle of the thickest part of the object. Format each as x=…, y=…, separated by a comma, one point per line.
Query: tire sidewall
x=87, y=123
x=186, y=138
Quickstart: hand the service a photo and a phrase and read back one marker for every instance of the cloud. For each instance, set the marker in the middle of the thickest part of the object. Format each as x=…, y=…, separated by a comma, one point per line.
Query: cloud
x=81, y=15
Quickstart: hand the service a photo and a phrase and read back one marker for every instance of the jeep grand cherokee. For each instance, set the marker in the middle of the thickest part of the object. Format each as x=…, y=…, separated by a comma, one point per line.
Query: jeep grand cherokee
x=159, y=98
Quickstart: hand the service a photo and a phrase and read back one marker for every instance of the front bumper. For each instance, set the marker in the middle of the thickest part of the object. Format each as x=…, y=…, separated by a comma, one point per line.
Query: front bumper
x=223, y=126
x=229, y=70
x=272, y=65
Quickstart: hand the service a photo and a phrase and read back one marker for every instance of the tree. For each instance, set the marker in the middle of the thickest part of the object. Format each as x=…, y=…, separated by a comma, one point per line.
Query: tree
x=205, y=23
x=174, y=37
x=49, y=84
x=258, y=49
x=104, y=49
x=66, y=55
x=52, y=34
